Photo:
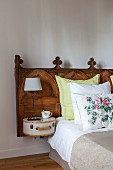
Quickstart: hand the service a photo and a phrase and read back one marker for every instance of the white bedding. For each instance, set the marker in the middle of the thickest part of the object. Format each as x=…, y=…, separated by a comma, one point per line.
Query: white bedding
x=67, y=132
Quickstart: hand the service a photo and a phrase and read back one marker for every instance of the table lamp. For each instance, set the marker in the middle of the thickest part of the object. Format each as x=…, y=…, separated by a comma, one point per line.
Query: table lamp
x=32, y=85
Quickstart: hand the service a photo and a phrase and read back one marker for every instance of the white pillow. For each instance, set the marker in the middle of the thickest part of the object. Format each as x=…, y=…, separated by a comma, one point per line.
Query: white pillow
x=96, y=110
x=76, y=88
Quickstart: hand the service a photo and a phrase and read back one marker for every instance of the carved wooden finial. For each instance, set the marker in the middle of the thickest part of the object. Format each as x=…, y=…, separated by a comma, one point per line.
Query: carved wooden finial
x=92, y=63
x=57, y=62
x=18, y=60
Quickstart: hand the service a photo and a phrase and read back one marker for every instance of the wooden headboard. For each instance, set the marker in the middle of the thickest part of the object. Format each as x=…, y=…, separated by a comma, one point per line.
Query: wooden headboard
x=48, y=98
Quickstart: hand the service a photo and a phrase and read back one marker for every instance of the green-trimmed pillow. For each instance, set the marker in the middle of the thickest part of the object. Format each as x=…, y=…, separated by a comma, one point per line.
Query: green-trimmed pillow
x=65, y=96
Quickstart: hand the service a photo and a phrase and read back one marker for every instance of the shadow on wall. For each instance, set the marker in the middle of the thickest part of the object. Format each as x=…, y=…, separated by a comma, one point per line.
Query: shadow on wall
x=101, y=65
x=67, y=64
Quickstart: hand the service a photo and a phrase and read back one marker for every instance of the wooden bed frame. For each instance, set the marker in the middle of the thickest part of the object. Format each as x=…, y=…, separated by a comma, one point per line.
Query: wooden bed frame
x=48, y=98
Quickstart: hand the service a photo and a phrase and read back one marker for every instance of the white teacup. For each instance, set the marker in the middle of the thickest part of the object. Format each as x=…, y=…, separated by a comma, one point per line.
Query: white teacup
x=46, y=114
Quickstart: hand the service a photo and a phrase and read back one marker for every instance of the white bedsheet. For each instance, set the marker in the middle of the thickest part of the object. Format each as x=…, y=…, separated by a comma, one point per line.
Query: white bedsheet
x=67, y=132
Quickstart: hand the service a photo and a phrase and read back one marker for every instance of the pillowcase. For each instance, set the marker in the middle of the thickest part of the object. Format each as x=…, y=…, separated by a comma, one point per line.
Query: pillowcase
x=76, y=88
x=96, y=111
x=65, y=96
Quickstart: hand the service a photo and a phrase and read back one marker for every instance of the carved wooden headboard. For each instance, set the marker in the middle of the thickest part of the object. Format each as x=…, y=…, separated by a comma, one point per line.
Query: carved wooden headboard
x=48, y=98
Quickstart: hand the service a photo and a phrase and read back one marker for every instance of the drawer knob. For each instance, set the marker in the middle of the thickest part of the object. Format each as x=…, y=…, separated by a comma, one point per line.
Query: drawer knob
x=43, y=128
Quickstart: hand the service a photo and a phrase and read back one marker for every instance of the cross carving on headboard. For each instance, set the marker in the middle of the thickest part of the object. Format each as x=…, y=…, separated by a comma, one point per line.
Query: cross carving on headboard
x=92, y=63
x=57, y=62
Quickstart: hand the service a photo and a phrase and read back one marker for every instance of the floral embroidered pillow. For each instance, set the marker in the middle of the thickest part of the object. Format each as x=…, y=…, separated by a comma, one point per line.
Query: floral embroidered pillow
x=96, y=111
x=76, y=88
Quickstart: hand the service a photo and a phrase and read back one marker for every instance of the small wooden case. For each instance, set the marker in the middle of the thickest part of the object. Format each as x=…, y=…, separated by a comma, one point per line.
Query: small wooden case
x=43, y=127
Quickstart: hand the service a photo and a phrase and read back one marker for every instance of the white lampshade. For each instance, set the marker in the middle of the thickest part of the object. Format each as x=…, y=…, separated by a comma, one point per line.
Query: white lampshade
x=32, y=84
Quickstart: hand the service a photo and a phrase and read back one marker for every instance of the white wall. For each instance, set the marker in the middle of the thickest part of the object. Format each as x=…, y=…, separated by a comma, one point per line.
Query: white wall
x=39, y=30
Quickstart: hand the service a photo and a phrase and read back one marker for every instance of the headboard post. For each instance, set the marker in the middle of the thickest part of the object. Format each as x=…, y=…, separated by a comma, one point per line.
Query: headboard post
x=18, y=61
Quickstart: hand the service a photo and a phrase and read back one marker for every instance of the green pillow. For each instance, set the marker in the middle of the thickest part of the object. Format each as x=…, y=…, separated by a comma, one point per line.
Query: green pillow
x=111, y=79
x=65, y=96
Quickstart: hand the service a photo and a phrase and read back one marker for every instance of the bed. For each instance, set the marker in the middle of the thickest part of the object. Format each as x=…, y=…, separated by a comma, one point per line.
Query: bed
x=74, y=150
x=71, y=156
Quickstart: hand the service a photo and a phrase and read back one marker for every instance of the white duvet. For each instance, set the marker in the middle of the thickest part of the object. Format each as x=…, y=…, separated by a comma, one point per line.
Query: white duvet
x=67, y=132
